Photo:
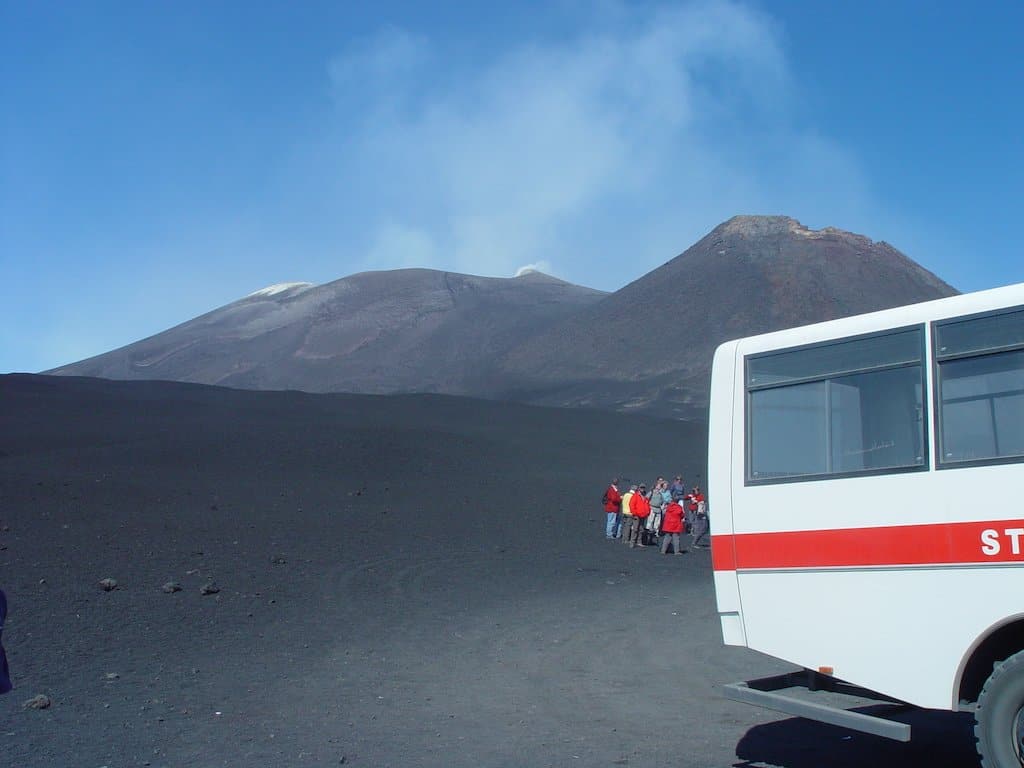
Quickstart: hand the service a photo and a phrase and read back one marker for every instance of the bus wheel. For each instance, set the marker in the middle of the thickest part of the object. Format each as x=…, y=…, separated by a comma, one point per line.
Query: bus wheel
x=999, y=717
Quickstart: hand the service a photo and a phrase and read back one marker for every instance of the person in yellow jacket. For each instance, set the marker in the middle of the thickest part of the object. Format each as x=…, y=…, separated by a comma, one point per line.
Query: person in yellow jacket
x=627, y=516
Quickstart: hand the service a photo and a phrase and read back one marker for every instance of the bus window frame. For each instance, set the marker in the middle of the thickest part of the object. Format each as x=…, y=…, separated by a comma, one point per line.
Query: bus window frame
x=940, y=464
x=922, y=362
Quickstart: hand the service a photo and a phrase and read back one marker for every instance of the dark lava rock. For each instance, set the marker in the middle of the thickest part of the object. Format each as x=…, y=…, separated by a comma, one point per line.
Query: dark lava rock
x=39, y=701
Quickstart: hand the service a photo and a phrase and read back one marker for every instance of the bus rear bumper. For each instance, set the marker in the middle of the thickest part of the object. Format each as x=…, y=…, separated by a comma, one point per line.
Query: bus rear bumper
x=821, y=698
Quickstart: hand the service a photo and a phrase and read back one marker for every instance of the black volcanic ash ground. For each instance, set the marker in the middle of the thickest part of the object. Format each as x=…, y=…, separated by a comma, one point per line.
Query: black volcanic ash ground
x=410, y=581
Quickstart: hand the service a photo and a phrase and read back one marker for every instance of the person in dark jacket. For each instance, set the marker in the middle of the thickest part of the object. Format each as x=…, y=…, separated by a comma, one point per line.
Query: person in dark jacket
x=5, y=673
x=699, y=506
x=677, y=489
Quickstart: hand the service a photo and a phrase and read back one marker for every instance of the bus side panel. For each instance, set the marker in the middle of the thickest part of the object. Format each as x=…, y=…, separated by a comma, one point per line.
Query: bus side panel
x=723, y=418
x=901, y=632
x=828, y=578
x=887, y=578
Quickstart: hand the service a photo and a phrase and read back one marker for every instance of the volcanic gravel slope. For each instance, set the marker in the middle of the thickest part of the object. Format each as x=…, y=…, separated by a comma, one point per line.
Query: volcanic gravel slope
x=404, y=581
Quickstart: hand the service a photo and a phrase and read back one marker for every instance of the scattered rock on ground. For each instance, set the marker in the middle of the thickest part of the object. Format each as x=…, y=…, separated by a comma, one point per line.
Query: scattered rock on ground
x=210, y=588
x=278, y=560
x=171, y=586
x=39, y=701
x=108, y=585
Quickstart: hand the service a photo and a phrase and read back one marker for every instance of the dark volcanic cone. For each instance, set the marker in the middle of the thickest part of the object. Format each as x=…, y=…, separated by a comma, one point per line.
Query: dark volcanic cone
x=650, y=344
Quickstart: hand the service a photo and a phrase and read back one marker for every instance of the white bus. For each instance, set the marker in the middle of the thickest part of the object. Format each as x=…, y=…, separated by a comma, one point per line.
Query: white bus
x=867, y=526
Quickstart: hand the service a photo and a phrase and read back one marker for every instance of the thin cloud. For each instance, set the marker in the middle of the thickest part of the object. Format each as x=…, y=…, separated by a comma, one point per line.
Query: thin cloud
x=397, y=246
x=381, y=71
x=612, y=150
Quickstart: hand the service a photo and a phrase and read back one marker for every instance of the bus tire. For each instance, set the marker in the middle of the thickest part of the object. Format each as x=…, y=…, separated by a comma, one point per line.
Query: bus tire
x=999, y=717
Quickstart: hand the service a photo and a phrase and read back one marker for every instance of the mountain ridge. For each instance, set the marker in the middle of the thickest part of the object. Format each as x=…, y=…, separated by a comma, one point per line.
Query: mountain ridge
x=534, y=338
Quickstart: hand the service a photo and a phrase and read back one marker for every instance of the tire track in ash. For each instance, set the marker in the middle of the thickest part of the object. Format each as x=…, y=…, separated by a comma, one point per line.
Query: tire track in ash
x=585, y=668
x=397, y=590
x=480, y=658
x=398, y=618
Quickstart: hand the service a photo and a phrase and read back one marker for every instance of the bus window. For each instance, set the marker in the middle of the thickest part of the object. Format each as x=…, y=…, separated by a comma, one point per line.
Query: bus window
x=981, y=388
x=789, y=430
x=840, y=408
x=876, y=421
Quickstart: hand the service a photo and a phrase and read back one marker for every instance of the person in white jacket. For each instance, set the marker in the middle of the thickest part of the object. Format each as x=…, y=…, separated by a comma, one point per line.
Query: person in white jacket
x=657, y=499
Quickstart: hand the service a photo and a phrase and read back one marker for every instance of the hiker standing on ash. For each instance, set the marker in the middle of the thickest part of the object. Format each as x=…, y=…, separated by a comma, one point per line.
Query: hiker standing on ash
x=640, y=508
x=677, y=490
x=612, y=500
x=672, y=527
x=652, y=526
x=626, y=516
x=699, y=507
x=5, y=673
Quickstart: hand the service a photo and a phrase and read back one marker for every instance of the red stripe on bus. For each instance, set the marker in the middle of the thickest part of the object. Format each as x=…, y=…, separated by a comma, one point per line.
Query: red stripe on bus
x=723, y=554
x=1000, y=541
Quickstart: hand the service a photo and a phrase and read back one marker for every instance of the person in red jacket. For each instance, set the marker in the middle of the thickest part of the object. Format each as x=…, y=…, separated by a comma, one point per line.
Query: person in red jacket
x=612, y=500
x=672, y=527
x=640, y=506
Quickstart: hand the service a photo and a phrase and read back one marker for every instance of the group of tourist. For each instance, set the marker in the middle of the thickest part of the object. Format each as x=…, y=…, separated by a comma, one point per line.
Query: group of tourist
x=661, y=515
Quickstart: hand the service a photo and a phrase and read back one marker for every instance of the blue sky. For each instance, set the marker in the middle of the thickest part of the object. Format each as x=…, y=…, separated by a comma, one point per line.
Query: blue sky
x=158, y=160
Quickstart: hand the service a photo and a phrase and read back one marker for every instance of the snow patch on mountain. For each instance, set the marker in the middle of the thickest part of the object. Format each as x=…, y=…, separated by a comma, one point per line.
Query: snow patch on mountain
x=273, y=290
